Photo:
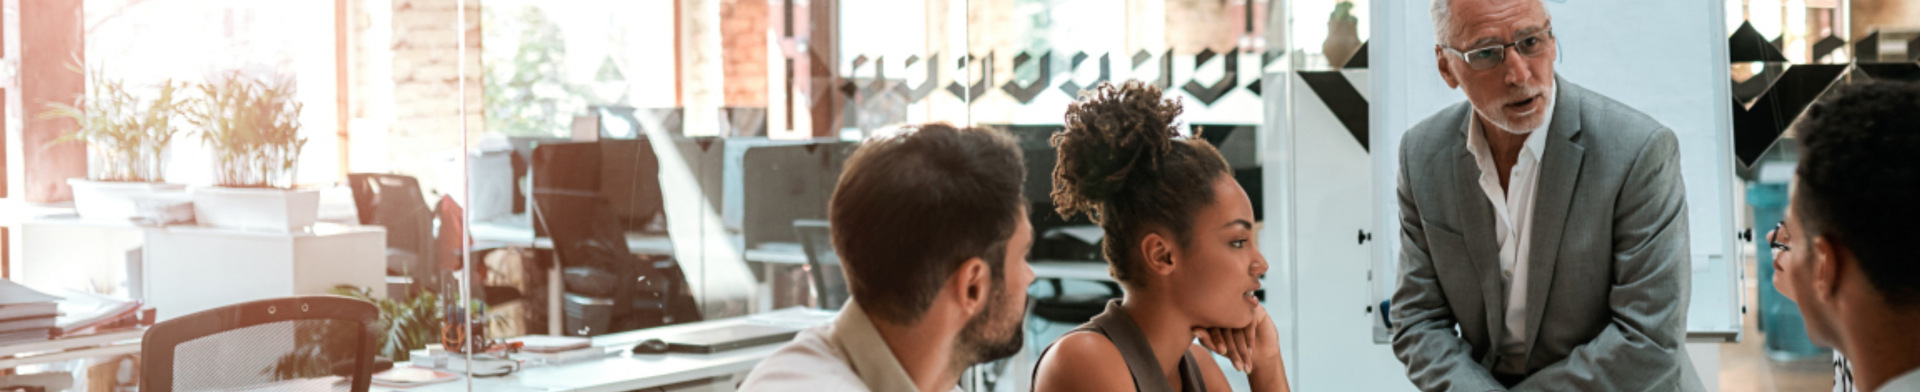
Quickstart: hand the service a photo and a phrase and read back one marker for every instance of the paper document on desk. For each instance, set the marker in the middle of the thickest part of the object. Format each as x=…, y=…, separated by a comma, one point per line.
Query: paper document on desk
x=411, y=376
x=81, y=312
x=551, y=344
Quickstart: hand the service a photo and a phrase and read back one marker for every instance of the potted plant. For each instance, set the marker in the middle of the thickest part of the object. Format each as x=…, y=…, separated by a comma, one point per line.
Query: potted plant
x=127, y=140
x=403, y=326
x=253, y=127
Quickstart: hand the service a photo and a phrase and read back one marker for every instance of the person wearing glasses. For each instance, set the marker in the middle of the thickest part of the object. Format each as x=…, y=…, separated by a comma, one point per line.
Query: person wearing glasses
x=1843, y=253
x=1543, y=226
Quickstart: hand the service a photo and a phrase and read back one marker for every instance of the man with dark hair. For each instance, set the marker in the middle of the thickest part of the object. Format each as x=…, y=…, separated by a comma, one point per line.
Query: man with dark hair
x=1843, y=252
x=930, y=226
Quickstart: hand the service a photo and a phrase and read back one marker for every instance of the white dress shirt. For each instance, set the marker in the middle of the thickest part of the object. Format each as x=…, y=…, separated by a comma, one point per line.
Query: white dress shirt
x=1513, y=216
x=846, y=355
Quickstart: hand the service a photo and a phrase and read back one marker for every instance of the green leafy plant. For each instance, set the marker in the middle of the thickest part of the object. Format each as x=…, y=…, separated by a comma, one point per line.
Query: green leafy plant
x=527, y=92
x=253, y=127
x=129, y=135
x=320, y=346
x=408, y=326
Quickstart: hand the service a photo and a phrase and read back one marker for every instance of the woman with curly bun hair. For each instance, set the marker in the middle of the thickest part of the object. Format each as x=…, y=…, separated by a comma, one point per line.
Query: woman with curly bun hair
x=1179, y=239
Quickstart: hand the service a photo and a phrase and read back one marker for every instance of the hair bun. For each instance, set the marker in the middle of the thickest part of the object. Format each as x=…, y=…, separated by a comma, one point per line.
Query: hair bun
x=1111, y=132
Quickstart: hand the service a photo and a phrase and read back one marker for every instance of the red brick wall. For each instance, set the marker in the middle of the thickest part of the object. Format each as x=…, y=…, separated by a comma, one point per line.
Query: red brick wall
x=743, y=38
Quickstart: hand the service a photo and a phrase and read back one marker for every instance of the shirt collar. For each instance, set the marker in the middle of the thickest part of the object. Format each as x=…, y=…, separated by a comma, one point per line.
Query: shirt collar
x=867, y=351
x=1536, y=144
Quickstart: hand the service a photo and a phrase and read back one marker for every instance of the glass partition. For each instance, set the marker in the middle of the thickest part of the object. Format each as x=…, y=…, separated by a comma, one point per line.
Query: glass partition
x=487, y=171
x=190, y=159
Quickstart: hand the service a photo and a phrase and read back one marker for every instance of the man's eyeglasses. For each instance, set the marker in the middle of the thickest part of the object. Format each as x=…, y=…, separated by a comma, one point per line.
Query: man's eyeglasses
x=1773, y=236
x=1490, y=56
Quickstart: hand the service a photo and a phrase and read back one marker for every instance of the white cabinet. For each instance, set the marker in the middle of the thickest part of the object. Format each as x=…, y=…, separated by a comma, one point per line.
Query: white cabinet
x=185, y=269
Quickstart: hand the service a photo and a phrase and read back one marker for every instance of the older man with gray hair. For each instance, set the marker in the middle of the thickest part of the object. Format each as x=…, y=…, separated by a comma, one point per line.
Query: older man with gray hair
x=1543, y=226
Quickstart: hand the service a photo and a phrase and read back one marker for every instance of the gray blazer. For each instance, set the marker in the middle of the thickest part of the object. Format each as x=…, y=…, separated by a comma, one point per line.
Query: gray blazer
x=1607, y=272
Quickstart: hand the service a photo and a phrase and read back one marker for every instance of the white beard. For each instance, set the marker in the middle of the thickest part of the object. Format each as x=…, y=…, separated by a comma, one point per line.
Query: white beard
x=1508, y=125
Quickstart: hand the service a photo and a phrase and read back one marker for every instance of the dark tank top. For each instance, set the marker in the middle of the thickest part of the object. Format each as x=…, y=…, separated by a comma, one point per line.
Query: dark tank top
x=1120, y=329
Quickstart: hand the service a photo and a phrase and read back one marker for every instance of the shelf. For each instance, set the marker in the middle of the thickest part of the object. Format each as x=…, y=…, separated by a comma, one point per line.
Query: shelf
x=97, y=345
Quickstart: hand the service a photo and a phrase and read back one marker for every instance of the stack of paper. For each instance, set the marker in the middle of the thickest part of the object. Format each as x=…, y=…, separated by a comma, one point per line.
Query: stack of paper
x=26, y=315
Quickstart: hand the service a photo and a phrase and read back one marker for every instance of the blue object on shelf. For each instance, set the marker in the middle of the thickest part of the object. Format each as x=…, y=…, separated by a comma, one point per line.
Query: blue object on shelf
x=1386, y=318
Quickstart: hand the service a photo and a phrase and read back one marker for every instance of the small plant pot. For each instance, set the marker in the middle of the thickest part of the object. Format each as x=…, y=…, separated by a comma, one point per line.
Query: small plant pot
x=114, y=201
x=276, y=210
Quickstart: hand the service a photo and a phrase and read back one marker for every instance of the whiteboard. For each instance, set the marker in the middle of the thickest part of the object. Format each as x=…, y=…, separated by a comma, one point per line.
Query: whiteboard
x=1665, y=58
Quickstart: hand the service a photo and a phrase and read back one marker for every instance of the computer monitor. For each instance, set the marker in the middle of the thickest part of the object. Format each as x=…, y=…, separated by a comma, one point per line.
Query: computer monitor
x=624, y=172
x=782, y=184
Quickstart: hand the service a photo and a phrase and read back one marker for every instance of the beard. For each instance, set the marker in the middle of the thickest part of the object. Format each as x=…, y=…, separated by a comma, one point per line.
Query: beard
x=1498, y=119
x=993, y=334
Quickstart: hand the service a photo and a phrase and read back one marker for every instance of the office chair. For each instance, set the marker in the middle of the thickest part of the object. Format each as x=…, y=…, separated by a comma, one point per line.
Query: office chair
x=595, y=263
x=448, y=242
x=829, y=283
x=394, y=202
x=295, y=343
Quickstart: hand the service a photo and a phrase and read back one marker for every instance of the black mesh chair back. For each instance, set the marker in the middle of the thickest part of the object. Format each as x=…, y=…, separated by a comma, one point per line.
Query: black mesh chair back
x=568, y=167
x=829, y=282
x=305, y=343
x=630, y=180
x=394, y=202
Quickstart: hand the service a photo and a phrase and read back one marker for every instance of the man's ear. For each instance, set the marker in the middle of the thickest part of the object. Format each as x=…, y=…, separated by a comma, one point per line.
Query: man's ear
x=1157, y=252
x=970, y=286
x=1446, y=67
x=1826, y=268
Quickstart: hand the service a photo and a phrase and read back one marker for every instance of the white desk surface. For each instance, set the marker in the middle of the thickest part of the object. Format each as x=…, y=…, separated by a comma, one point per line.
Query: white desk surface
x=627, y=371
x=56, y=350
x=517, y=230
x=1078, y=270
x=791, y=253
x=777, y=253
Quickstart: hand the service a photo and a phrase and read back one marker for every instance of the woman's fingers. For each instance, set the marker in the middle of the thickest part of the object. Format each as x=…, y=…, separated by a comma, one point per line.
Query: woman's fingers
x=1222, y=341
x=1206, y=339
x=1239, y=349
x=1252, y=349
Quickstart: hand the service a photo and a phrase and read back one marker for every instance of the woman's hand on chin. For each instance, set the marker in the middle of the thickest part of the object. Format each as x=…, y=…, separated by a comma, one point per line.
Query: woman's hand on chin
x=1251, y=348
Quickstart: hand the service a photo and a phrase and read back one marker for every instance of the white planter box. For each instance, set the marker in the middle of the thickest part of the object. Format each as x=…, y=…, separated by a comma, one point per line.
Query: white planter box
x=277, y=210
x=114, y=201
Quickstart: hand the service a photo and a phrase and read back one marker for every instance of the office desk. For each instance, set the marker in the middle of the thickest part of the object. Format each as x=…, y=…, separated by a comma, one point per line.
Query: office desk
x=1077, y=270
x=517, y=231
x=627, y=371
x=777, y=253
x=781, y=253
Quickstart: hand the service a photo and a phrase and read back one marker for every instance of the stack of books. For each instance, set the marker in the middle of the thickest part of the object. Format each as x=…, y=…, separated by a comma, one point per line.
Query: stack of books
x=26, y=315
